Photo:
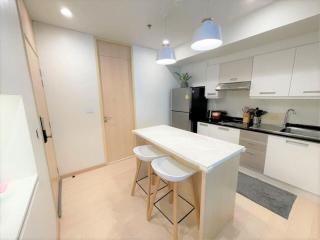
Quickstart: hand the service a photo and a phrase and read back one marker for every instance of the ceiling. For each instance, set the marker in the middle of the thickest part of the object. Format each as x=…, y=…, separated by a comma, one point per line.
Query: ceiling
x=125, y=21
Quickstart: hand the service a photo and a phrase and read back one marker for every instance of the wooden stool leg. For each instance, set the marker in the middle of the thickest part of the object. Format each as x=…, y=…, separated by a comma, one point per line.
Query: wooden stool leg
x=149, y=186
x=171, y=194
x=175, y=205
x=136, y=176
x=153, y=198
x=195, y=200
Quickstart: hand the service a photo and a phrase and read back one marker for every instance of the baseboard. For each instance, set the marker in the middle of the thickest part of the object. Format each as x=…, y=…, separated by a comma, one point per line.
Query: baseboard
x=82, y=171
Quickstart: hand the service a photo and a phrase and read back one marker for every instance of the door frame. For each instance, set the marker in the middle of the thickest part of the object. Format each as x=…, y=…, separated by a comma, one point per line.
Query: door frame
x=101, y=95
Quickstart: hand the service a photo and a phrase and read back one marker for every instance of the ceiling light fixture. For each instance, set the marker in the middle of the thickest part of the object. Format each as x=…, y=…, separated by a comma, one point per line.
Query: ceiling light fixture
x=66, y=12
x=207, y=36
x=166, y=55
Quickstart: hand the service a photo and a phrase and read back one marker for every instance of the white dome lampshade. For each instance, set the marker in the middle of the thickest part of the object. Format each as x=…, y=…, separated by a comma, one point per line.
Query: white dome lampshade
x=207, y=36
x=166, y=55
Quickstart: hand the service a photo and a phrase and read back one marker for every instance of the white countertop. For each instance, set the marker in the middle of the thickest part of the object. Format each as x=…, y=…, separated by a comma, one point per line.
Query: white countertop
x=14, y=204
x=201, y=151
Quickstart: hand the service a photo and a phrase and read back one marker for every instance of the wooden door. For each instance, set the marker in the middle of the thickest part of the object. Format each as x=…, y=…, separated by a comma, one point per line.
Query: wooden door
x=115, y=74
x=44, y=118
x=40, y=98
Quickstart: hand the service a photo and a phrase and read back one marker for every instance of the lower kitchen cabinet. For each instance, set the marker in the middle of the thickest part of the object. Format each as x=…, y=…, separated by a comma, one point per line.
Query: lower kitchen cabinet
x=254, y=156
x=203, y=129
x=294, y=161
x=220, y=132
x=225, y=133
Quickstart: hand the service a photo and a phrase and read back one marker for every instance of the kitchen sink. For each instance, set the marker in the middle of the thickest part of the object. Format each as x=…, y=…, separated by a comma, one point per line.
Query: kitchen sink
x=301, y=132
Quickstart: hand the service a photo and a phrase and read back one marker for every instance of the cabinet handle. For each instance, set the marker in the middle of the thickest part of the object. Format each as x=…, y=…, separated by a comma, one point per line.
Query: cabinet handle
x=203, y=124
x=250, y=153
x=311, y=91
x=212, y=93
x=233, y=79
x=267, y=92
x=297, y=143
x=223, y=128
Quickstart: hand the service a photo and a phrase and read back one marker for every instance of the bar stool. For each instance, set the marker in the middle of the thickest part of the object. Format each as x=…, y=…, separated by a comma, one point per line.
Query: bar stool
x=172, y=171
x=145, y=153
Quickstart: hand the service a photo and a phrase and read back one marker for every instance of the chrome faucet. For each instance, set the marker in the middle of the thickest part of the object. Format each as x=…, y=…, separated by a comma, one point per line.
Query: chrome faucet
x=286, y=116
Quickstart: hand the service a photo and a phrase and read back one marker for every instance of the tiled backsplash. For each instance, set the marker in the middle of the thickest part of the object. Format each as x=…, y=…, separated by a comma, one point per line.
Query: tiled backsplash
x=308, y=111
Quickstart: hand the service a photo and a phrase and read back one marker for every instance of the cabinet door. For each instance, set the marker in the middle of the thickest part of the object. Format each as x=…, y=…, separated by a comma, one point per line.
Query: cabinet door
x=236, y=71
x=203, y=129
x=306, y=71
x=272, y=73
x=225, y=133
x=294, y=161
x=212, y=81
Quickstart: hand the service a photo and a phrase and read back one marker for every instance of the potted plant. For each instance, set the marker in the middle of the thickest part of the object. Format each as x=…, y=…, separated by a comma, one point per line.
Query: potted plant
x=184, y=78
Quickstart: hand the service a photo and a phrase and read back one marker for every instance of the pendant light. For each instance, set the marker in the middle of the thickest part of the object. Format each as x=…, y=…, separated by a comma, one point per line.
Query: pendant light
x=207, y=36
x=166, y=55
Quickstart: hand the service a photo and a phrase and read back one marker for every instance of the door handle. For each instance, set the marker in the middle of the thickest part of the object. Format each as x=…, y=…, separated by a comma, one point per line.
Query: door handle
x=106, y=119
x=44, y=131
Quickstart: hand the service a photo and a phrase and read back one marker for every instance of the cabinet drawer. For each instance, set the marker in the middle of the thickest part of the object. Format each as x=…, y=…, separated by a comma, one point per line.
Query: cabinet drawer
x=252, y=145
x=253, y=160
x=254, y=136
x=225, y=133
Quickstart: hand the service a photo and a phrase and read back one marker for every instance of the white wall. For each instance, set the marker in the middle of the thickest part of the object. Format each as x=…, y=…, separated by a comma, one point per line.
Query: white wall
x=152, y=86
x=70, y=75
x=15, y=80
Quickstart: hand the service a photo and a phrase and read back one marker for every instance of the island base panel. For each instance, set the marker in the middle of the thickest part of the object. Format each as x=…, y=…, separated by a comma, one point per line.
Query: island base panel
x=218, y=193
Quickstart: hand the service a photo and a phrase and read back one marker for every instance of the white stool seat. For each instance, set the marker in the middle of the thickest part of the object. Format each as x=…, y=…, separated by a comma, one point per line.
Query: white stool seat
x=169, y=169
x=147, y=153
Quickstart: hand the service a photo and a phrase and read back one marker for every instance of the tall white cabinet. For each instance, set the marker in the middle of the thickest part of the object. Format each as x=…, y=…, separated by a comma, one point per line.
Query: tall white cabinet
x=306, y=71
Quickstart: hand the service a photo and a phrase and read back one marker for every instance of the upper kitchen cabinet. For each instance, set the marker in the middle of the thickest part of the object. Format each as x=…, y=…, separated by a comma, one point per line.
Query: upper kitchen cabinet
x=306, y=72
x=236, y=71
x=272, y=73
x=212, y=80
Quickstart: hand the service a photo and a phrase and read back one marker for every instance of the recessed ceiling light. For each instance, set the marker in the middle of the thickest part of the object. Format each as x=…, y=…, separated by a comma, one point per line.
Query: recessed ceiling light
x=165, y=42
x=66, y=12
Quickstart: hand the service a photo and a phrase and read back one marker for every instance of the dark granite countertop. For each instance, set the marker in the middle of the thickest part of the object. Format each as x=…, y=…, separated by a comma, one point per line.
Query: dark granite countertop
x=270, y=129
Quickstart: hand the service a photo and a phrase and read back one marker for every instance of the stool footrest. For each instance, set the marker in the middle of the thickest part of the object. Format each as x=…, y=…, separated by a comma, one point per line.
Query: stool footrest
x=186, y=215
x=138, y=183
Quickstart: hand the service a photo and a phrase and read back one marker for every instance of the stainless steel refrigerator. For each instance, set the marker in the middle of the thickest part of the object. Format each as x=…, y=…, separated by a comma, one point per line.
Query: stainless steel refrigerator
x=189, y=106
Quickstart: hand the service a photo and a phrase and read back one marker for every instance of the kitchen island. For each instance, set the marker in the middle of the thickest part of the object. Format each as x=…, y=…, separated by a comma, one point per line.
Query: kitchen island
x=217, y=164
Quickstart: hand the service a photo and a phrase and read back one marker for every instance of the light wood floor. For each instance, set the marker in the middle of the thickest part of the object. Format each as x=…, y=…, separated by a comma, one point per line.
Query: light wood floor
x=98, y=205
